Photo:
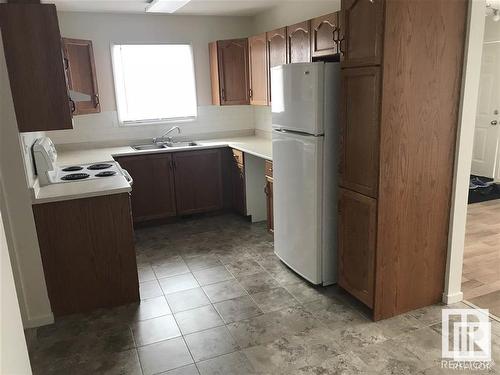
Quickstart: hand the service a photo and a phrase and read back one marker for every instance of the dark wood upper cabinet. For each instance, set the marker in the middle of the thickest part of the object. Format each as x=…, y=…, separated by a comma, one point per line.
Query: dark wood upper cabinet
x=361, y=26
x=359, y=129
x=299, y=42
x=198, y=181
x=257, y=52
x=229, y=72
x=81, y=73
x=32, y=46
x=325, y=35
x=153, y=195
x=357, y=236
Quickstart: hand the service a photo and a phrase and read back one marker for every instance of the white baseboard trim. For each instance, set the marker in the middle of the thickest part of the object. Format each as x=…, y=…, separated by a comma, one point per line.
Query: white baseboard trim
x=39, y=321
x=452, y=298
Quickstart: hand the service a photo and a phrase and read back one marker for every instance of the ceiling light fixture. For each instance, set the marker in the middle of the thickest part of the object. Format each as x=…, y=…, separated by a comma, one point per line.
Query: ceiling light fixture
x=166, y=6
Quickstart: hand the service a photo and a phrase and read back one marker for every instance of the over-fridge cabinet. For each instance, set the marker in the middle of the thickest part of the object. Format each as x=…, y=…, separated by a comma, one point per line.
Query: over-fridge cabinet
x=240, y=68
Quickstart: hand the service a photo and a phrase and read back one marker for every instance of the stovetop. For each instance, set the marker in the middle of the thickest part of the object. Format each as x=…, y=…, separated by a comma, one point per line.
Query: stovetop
x=85, y=172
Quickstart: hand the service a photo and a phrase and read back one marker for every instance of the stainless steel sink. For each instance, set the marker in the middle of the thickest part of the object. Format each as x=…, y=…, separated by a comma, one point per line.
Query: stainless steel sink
x=181, y=144
x=151, y=146
x=159, y=146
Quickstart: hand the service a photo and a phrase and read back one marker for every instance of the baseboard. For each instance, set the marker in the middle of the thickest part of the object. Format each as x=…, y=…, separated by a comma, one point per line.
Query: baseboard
x=39, y=321
x=449, y=299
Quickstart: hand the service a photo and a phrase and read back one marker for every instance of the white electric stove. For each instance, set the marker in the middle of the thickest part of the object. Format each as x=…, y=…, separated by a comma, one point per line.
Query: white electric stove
x=45, y=156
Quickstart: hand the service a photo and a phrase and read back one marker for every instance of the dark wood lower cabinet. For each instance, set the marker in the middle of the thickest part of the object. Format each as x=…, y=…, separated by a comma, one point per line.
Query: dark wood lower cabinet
x=88, y=254
x=357, y=236
x=269, y=195
x=153, y=195
x=198, y=181
x=269, y=204
x=238, y=193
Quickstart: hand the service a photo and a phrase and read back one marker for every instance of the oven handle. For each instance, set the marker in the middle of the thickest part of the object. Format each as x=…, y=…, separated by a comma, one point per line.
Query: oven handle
x=128, y=177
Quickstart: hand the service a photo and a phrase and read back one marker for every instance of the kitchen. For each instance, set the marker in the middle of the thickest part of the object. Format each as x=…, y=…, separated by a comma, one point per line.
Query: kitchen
x=192, y=188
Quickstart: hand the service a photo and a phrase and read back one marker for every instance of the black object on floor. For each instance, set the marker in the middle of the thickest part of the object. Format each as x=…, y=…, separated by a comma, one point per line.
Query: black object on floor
x=483, y=194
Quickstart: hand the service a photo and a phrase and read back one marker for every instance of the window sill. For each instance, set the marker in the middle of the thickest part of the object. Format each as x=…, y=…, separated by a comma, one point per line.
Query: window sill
x=158, y=122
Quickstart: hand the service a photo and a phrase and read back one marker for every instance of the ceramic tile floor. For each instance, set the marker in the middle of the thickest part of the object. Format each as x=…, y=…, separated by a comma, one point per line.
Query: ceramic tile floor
x=216, y=300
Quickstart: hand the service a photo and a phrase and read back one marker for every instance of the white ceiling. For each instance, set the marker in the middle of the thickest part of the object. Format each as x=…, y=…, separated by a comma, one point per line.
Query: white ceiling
x=194, y=7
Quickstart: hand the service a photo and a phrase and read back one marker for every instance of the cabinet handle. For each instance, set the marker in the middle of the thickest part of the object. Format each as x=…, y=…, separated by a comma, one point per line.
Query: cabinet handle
x=250, y=92
x=66, y=63
x=95, y=98
x=223, y=94
x=72, y=105
x=342, y=46
x=336, y=35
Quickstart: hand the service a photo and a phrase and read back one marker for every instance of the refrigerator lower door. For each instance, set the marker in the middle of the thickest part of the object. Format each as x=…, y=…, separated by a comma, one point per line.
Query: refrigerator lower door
x=297, y=194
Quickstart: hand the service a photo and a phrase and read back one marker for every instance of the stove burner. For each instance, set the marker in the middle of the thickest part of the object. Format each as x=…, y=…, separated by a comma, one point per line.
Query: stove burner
x=75, y=176
x=73, y=168
x=106, y=174
x=95, y=167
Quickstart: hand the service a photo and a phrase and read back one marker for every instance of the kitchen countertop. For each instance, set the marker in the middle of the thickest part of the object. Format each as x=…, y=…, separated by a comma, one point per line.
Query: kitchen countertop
x=257, y=146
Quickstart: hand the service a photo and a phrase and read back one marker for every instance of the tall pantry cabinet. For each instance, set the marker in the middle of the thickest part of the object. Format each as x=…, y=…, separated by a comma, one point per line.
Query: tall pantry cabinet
x=401, y=76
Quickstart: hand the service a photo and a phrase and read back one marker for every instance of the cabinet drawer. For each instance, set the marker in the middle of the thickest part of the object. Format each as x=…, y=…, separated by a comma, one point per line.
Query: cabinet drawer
x=238, y=156
x=269, y=169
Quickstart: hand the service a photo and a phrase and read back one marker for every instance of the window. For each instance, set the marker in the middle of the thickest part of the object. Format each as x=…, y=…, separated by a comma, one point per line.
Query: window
x=154, y=82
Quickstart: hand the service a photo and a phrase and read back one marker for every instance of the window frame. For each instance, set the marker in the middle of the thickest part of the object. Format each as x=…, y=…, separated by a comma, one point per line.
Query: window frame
x=163, y=121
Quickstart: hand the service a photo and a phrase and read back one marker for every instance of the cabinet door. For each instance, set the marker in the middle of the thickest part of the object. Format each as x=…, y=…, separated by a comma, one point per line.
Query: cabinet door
x=299, y=42
x=324, y=35
x=257, y=52
x=153, y=195
x=361, y=26
x=359, y=130
x=32, y=47
x=269, y=204
x=238, y=189
x=357, y=236
x=101, y=269
x=276, y=51
x=80, y=67
x=198, y=181
x=233, y=71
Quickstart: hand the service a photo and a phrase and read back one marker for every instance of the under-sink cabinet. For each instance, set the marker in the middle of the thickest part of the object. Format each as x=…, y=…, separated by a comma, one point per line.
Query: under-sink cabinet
x=153, y=191
x=174, y=184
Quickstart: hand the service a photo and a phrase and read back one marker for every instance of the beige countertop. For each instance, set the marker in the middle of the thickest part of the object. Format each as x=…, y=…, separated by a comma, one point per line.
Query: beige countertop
x=257, y=146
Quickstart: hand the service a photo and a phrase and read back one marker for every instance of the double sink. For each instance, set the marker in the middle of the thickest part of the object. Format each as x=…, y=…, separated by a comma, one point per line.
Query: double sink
x=159, y=146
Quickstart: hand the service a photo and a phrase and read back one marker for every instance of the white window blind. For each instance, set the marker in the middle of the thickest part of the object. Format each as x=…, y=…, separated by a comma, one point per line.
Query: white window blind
x=154, y=82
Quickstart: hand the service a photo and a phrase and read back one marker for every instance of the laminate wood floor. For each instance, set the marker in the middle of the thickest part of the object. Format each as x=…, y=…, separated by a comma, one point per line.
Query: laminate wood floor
x=481, y=272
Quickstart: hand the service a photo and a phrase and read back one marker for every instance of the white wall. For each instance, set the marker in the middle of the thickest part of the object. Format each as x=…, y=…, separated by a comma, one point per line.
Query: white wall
x=290, y=12
x=14, y=357
x=18, y=216
x=285, y=14
x=104, y=29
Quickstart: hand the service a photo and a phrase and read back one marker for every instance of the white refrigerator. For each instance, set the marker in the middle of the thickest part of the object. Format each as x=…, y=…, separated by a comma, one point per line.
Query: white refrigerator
x=305, y=166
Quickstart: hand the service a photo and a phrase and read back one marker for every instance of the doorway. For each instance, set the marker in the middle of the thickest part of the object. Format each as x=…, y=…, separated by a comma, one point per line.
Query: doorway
x=481, y=258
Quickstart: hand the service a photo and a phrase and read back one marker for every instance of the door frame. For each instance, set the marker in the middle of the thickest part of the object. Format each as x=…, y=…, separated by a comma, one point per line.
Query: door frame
x=463, y=151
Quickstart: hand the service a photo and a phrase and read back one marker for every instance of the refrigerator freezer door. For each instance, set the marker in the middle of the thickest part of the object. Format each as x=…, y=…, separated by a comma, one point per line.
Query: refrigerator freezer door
x=297, y=192
x=297, y=92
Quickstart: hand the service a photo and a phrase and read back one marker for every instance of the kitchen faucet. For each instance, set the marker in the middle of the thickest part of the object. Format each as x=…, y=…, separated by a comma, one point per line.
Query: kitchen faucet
x=168, y=139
